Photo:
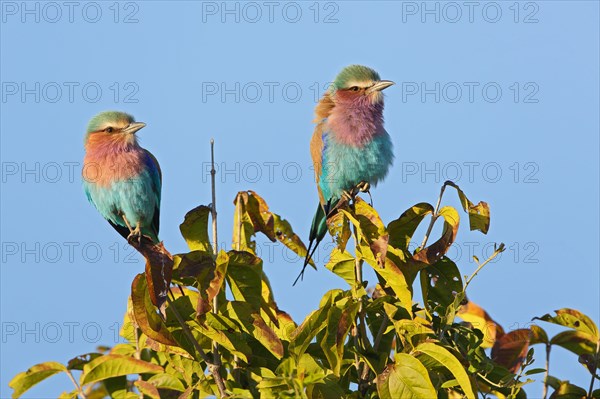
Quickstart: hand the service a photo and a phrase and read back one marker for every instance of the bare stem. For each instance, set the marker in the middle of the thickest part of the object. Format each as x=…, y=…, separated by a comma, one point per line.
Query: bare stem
x=545, y=392
x=596, y=360
x=79, y=390
x=138, y=354
x=497, y=251
x=434, y=216
x=213, y=368
x=213, y=212
x=380, y=332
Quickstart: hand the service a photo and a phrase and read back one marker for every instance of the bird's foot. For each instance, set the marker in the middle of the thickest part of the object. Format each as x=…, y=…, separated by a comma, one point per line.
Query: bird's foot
x=135, y=234
x=363, y=187
x=347, y=195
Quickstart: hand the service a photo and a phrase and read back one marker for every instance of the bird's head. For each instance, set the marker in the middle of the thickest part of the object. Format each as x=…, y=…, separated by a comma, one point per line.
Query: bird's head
x=357, y=83
x=114, y=126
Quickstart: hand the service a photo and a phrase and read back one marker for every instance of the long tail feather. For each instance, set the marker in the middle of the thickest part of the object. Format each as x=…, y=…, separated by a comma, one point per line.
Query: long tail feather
x=318, y=229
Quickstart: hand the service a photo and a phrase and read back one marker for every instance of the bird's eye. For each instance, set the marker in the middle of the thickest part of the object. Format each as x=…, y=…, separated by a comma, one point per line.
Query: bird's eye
x=108, y=129
x=354, y=88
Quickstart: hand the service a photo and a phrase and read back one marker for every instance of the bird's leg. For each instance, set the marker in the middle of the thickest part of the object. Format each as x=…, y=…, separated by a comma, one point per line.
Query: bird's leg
x=365, y=187
x=135, y=233
x=347, y=195
x=127, y=223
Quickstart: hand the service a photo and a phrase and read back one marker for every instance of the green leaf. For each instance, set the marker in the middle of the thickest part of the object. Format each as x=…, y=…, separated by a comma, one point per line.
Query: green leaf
x=406, y=378
x=340, y=319
x=22, y=382
x=395, y=279
x=252, y=215
x=195, y=229
x=207, y=273
x=535, y=371
x=226, y=333
x=148, y=389
x=167, y=381
x=479, y=215
x=68, y=395
x=243, y=226
x=328, y=389
x=575, y=341
x=574, y=319
x=78, y=362
x=438, y=249
x=440, y=283
x=144, y=313
x=312, y=324
x=342, y=264
x=244, y=274
x=339, y=228
x=369, y=229
x=254, y=325
x=402, y=229
x=538, y=335
x=566, y=390
x=109, y=366
x=442, y=356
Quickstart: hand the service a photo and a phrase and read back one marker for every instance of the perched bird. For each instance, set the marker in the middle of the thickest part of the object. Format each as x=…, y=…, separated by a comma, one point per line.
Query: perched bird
x=120, y=178
x=350, y=149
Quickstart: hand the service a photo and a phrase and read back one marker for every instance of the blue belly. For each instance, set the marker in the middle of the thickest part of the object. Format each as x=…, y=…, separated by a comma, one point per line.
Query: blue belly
x=344, y=166
x=133, y=198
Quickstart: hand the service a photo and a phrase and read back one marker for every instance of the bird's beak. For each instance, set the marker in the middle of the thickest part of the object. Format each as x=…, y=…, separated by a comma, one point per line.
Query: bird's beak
x=379, y=86
x=134, y=127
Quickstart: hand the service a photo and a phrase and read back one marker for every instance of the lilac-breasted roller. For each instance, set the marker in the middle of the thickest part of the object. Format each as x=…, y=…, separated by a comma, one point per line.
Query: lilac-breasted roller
x=120, y=178
x=350, y=148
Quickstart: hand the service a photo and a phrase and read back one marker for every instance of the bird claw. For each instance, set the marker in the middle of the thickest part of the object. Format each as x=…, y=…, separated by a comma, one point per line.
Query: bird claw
x=363, y=187
x=136, y=233
x=347, y=196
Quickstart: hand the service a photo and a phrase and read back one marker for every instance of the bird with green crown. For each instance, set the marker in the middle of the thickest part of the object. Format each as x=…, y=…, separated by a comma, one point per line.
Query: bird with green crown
x=350, y=149
x=120, y=178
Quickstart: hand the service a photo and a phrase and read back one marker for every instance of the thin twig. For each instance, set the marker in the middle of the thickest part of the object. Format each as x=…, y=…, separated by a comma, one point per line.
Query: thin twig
x=433, y=217
x=361, y=332
x=138, y=354
x=499, y=250
x=213, y=368
x=79, y=390
x=596, y=360
x=380, y=332
x=213, y=212
x=545, y=393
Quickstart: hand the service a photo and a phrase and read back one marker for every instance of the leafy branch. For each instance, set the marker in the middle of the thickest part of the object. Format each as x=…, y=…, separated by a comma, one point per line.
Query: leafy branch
x=376, y=342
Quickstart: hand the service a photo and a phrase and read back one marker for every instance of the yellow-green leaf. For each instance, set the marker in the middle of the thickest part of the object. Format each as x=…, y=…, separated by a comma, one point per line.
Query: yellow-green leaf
x=244, y=275
x=109, y=366
x=402, y=229
x=342, y=264
x=195, y=229
x=574, y=319
x=22, y=382
x=406, y=378
x=442, y=356
x=144, y=314
x=479, y=215
x=575, y=341
x=167, y=381
x=435, y=251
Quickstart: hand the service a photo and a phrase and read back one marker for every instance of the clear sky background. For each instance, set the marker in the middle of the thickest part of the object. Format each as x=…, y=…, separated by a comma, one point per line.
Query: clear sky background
x=501, y=97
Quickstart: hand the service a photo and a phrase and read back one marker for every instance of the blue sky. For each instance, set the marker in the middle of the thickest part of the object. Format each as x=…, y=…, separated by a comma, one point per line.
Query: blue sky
x=501, y=97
